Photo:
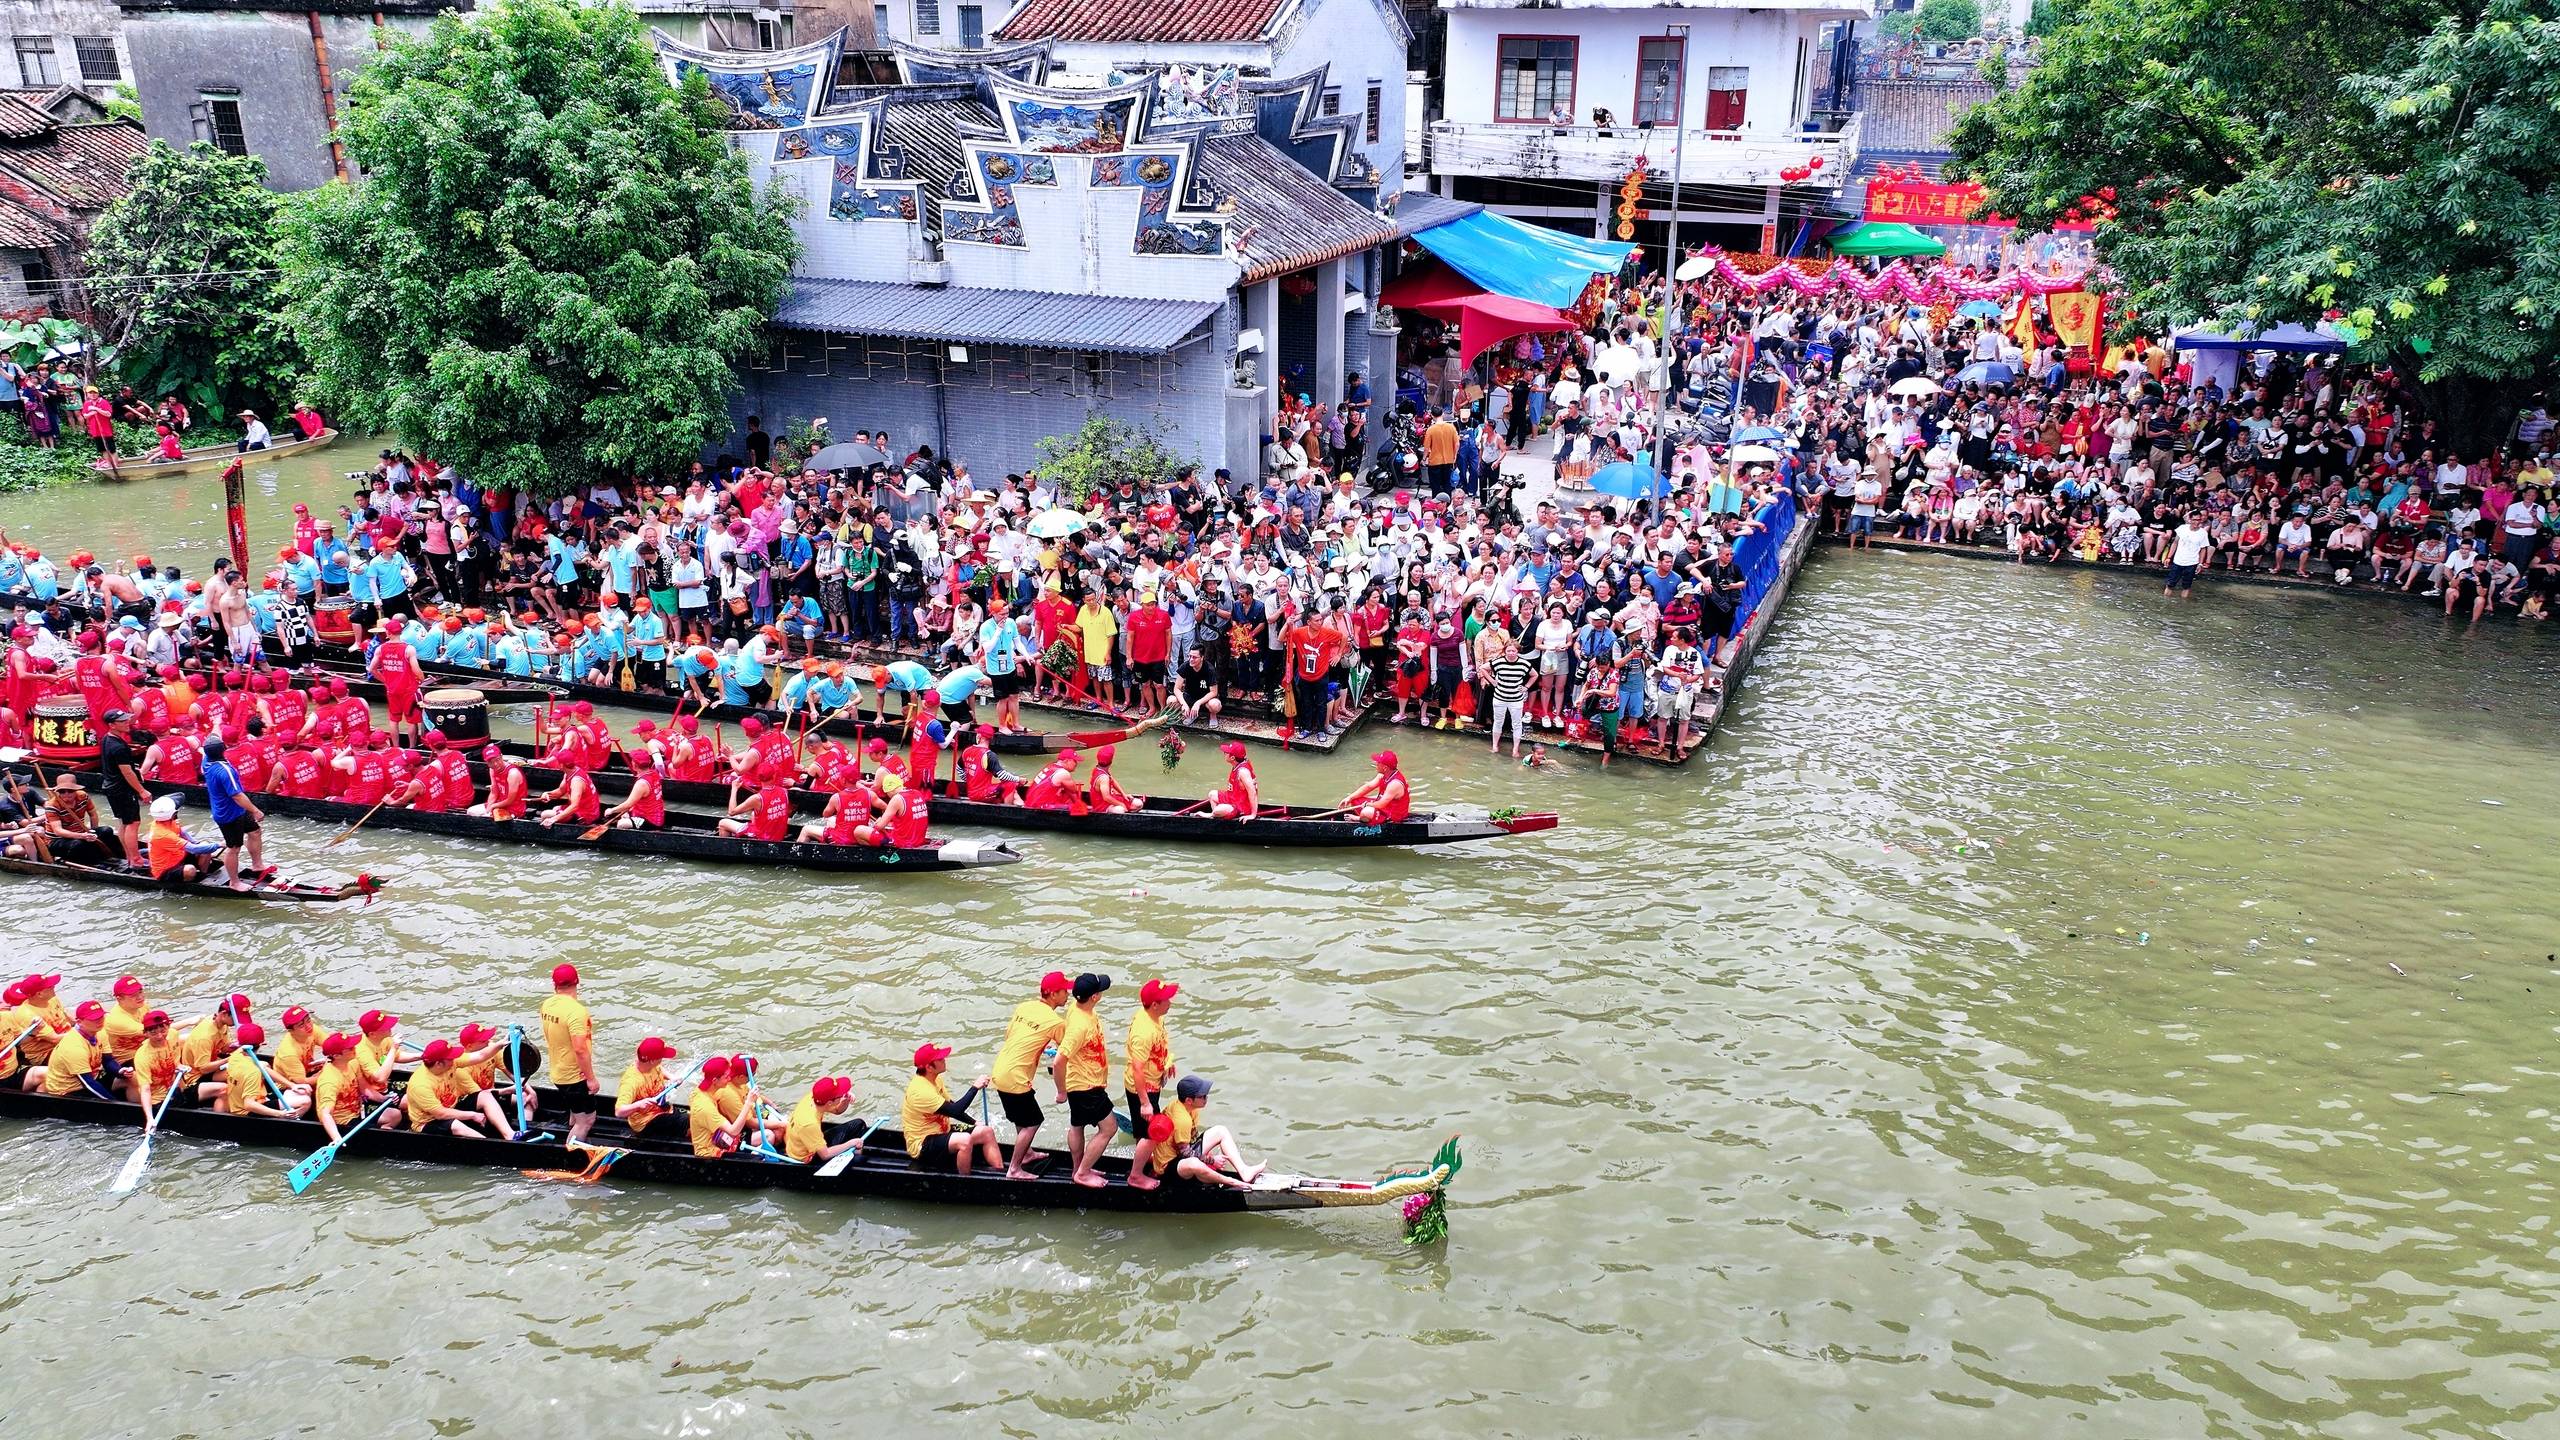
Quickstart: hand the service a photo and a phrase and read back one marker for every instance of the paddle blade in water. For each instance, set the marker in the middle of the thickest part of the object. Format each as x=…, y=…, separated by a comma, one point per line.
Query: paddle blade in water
x=309, y=1168
x=134, y=1165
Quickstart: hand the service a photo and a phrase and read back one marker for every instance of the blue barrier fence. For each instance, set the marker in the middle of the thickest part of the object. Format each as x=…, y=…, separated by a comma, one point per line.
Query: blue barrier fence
x=1762, y=553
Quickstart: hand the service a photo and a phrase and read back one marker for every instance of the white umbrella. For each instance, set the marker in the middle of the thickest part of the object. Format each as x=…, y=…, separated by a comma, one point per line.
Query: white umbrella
x=1916, y=385
x=1754, y=455
x=1054, y=524
x=1693, y=268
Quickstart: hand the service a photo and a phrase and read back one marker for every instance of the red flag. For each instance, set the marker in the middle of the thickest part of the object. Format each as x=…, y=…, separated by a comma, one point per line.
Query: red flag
x=235, y=499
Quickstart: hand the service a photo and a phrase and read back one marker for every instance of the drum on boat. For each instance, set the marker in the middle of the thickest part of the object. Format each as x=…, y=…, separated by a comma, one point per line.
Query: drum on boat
x=333, y=620
x=459, y=714
x=60, y=728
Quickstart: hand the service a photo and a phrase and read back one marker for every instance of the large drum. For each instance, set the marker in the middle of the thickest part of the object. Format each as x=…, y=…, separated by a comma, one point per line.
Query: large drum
x=460, y=715
x=332, y=619
x=60, y=728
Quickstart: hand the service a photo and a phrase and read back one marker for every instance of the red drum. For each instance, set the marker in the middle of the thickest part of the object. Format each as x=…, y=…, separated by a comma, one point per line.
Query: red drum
x=60, y=729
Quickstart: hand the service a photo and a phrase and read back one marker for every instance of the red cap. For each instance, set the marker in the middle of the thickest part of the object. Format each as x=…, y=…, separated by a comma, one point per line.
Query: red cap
x=688, y=724
x=564, y=974
x=929, y=1053
x=237, y=1006
x=742, y=1065
x=1155, y=990
x=875, y=746
x=295, y=1017
x=752, y=725
x=339, y=1043
x=475, y=1035
x=1159, y=1127
x=654, y=1048
x=645, y=727
x=250, y=1034
x=90, y=1010
x=830, y=1088
x=1102, y=757
x=16, y=992
x=38, y=984
x=127, y=985
x=715, y=1068
x=1054, y=982
x=1386, y=758
x=155, y=1020
x=437, y=1052
x=373, y=1021
x=1233, y=749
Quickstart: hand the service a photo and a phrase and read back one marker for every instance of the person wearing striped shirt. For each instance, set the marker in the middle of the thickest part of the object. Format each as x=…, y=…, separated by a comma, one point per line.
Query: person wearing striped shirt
x=1509, y=674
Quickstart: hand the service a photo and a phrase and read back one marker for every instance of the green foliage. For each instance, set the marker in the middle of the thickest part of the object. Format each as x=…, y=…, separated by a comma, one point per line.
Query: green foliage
x=554, y=257
x=1898, y=24
x=1947, y=21
x=33, y=339
x=2043, y=17
x=123, y=104
x=1102, y=454
x=2389, y=166
x=182, y=281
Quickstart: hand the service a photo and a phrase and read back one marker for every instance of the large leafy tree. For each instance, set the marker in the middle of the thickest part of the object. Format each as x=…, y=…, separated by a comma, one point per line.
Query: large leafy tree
x=181, y=281
x=553, y=257
x=2383, y=165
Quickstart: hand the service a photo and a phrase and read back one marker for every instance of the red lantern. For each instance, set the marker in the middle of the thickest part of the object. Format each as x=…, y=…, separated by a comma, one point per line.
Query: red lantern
x=1814, y=164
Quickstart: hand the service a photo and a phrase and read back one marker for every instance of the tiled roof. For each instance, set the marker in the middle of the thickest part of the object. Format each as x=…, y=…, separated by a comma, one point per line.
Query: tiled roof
x=1153, y=21
x=24, y=229
x=980, y=316
x=1288, y=218
x=83, y=166
x=21, y=118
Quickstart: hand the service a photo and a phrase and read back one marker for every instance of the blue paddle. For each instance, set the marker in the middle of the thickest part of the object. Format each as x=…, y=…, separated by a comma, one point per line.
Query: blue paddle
x=515, y=1073
x=134, y=1164
x=312, y=1166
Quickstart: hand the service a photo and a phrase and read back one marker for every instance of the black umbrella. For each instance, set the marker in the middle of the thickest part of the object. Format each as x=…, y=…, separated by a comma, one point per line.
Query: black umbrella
x=849, y=455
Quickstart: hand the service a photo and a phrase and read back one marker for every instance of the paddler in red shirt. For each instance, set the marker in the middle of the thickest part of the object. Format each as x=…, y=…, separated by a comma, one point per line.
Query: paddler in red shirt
x=1241, y=797
x=690, y=756
x=1056, y=786
x=845, y=821
x=646, y=805
x=982, y=779
x=1384, y=798
x=367, y=771
x=1103, y=793
x=507, y=798
x=766, y=813
x=576, y=793
x=904, y=822
x=924, y=745
x=395, y=664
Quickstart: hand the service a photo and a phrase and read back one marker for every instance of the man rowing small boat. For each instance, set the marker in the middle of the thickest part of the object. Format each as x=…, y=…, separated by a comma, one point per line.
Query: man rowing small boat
x=508, y=797
x=929, y=1114
x=1241, y=797
x=1384, y=798
x=78, y=1063
x=576, y=794
x=40, y=1019
x=247, y=1089
x=712, y=1121
x=1102, y=793
x=642, y=1096
x=646, y=802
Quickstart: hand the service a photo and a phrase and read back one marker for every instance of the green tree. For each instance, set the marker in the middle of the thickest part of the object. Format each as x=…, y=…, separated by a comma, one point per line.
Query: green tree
x=182, y=286
x=1898, y=24
x=2387, y=167
x=554, y=257
x=1946, y=21
x=1103, y=453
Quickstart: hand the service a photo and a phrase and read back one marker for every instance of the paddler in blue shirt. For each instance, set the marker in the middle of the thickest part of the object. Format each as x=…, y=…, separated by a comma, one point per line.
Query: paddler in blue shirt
x=428, y=640
x=335, y=565
x=831, y=691
x=738, y=674
x=795, y=690
x=508, y=651
x=648, y=637
x=904, y=678
x=695, y=667
x=469, y=646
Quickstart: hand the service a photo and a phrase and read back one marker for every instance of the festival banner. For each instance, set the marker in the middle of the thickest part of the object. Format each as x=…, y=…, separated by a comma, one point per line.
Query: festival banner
x=235, y=502
x=2022, y=324
x=1922, y=202
x=1898, y=278
x=2077, y=318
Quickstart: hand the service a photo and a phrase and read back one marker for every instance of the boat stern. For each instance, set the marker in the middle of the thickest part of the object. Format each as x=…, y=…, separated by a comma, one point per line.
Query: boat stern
x=1525, y=824
x=977, y=852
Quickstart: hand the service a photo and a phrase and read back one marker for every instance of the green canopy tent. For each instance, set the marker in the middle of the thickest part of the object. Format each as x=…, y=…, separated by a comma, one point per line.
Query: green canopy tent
x=1885, y=238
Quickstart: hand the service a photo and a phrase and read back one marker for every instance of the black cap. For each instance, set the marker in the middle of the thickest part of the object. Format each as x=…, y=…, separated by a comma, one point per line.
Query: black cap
x=1089, y=985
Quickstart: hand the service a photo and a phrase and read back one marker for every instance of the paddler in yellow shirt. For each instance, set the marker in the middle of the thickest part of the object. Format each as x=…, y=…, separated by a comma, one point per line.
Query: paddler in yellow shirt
x=713, y=1129
x=377, y=1051
x=338, y=1093
x=298, y=1060
x=1083, y=1069
x=1150, y=1053
x=807, y=1138
x=569, y=1035
x=245, y=1091
x=155, y=1070
x=1033, y=1028
x=476, y=1071
x=122, y=1032
x=42, y=1008
x=642, y=1097
x=928, y=1113
x=19, y=1020
x=208, y=1039
x=428, y=1100
x=78, y=1056
x=744, y=1101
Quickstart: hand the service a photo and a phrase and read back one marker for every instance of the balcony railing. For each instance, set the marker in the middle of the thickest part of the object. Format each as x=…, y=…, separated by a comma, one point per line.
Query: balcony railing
x=1593, y=153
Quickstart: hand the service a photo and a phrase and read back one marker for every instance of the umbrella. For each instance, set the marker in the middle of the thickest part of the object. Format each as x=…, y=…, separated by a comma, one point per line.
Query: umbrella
x=1754, y=455
x=847, y=455
x=1980, y=309
x=1916, y=385
x=1057, y=524
x=1758, y=434
x=1630, y=479
x=1987, y=372
x=1695, y=267
x=1885, y=238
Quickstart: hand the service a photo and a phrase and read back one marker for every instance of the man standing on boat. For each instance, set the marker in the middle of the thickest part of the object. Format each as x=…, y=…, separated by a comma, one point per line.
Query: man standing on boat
x=235, y=815
x=569, y=1038
x=1034, y=1027
x=1083, y=1070
x=1150, y=1062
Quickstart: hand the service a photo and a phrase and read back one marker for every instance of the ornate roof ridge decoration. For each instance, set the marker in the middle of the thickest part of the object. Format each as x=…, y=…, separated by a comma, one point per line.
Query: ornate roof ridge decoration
x=1288, y=112
x=1040, y=128
x=1027, y=62
x=764, y=89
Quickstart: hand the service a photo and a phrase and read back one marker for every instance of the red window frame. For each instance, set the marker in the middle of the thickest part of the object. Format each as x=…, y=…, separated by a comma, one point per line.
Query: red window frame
x=1739, y=112
x=1679, y=79
x=1501, y=73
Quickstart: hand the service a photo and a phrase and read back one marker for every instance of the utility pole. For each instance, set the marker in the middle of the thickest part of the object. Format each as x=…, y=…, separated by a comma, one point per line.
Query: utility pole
x=1671, y=263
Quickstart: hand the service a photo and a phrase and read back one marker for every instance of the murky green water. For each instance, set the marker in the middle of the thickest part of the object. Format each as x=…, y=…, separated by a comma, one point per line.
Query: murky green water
x=1828, y=1086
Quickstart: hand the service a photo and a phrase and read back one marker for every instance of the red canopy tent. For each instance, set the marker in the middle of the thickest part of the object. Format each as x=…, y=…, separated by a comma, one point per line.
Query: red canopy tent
x=1484, y=318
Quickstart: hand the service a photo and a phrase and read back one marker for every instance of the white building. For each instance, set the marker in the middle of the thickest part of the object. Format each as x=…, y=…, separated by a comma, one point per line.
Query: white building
x=1548, y=104
x=64, y=42
x=942, y=24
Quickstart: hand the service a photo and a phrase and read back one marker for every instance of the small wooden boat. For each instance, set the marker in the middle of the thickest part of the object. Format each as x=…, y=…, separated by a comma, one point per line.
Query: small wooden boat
x=686, y=837
x=1159, y=818
x=210, y=457
x=363, y=887
x=664, y=1156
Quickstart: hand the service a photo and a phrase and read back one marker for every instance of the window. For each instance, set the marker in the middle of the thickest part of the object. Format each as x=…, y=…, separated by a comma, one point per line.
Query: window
x=880, y=24
x=973, y=27
x=36, y=68
x=768, y=33
x=1804, y=79
x=1728, y=88
x=98, y=61
x=218, y=121
x=1658, y=65
x=1534, y=79
x=1377, y=108
x=928, y=17
x=1330, y=103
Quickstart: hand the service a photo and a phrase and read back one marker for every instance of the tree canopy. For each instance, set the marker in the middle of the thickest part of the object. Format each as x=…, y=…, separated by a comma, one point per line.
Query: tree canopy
x=2384, y=167
x=181, y=281
x=553, y=259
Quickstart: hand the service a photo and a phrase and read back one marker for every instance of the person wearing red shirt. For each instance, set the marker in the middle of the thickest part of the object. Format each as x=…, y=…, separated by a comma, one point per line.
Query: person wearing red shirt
x=1150, y=635
x=1311, y=648
x=1056, y=787
x=1050, y=616
x=766, y=814
x=1383, y=798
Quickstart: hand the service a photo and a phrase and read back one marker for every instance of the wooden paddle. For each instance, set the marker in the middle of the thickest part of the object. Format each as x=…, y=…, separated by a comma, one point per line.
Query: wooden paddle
x=358, y=825
x=312, y=1166
x=130, y=1174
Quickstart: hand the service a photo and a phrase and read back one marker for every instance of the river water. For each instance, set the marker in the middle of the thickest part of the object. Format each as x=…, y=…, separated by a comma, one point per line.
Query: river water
x=2045, y=1010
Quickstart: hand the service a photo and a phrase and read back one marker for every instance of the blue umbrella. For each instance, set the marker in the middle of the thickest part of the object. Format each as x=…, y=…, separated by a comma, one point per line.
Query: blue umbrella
x=1628, y=479
x=1987, y=372
x=1758, y=435
x=1980, y=309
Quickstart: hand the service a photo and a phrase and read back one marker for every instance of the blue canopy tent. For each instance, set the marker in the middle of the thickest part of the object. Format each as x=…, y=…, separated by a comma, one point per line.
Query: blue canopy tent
x=1530, y=262
x=2293, y=339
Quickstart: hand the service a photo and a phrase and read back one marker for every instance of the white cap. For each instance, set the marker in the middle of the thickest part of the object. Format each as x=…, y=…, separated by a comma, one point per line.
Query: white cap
x=165, y=808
